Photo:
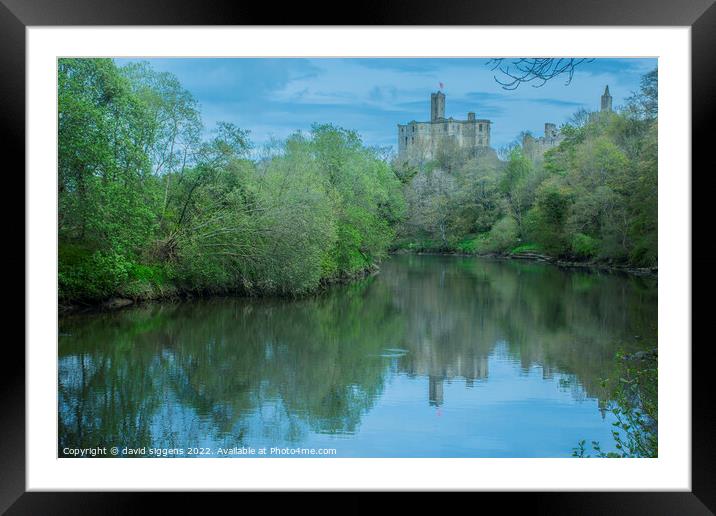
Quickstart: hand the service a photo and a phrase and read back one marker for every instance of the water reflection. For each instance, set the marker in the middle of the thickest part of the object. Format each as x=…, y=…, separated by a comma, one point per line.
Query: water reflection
x=363, y=367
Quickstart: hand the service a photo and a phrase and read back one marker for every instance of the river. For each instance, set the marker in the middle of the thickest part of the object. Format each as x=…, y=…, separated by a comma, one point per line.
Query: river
x=435, y=356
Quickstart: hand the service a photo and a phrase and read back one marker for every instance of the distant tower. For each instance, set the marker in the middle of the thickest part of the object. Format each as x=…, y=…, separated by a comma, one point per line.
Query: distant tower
x=550, y=131
x=437, y=106
x=606, y=100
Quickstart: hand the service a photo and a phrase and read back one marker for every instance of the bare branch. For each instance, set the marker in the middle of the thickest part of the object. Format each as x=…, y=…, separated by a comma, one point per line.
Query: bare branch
x=537, y=70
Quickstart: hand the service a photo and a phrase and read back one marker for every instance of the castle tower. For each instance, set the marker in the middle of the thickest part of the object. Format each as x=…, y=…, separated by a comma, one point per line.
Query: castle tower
x=418, y=141
x=550, y=130
x=437, y=106
x=606, y=100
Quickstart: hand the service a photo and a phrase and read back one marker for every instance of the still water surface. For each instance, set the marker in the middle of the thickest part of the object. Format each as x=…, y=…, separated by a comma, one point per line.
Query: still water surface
x=433, y=357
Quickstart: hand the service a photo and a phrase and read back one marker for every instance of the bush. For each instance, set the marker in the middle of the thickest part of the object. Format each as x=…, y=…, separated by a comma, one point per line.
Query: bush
x=503, y=236
x=584, y=246
x=473, y=244
x=644, y=253
x=153, y=274
x=634, y=401
x=90, y=275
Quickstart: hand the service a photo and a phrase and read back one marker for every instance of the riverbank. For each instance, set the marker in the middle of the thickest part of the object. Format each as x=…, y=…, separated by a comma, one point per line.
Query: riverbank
x=153, y=292
x=541, y=258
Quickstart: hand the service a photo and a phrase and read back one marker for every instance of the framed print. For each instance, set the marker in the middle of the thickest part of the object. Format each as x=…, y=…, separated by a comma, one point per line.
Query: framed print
x=444, y=248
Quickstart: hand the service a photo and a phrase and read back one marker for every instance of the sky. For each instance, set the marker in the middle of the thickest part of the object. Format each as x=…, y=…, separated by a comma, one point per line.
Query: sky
x=273, y=98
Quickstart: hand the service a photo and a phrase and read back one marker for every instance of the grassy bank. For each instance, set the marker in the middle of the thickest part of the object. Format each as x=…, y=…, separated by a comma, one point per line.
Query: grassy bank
x=91, y=281
x=482, y=246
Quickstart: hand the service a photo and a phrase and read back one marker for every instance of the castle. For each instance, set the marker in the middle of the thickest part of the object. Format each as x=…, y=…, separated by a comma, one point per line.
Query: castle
x=422, y=140
x=552, y=137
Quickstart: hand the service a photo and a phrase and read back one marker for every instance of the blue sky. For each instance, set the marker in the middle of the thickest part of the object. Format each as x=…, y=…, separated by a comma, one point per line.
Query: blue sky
x=276, y=97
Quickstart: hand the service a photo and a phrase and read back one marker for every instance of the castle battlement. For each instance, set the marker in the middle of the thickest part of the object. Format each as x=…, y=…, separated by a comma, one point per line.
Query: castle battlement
x=536, y=146
x=421, y=140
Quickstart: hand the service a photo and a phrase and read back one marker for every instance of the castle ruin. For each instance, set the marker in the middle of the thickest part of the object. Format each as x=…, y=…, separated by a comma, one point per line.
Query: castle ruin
x=419, y=141
x=606, y=100
x=422, y=140
x=537, y=146
x=552, y=137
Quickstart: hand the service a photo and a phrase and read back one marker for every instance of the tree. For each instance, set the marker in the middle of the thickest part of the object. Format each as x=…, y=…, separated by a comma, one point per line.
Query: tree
x=106, y=193
x=645, y=103
x=431, y=197
x=549, y=216
x=517, y=186
x=478, y=201
x=148, y=205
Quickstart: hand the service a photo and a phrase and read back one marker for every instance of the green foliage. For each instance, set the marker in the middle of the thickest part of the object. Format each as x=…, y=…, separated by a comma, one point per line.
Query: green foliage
x=636, y=407
x=88, y=275
x=593, y=197
x=634, y=402
x=448, y=205
x=503, y=236
x=322, y=206
x=545, y=221
x=106, y=192
x=473, y=244
x=584, y=246
x=148, y=206
x=517, y=169
x=147, y=273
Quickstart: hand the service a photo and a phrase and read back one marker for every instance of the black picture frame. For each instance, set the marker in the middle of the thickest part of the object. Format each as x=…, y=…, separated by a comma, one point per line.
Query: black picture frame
x=700, y=15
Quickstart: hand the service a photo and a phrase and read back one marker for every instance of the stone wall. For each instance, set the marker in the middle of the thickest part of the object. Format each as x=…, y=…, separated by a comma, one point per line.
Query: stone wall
x=423, y=139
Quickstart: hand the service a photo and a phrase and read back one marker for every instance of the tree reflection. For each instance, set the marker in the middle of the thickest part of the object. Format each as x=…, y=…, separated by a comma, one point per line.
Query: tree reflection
x=229, y=371
x=571, y=322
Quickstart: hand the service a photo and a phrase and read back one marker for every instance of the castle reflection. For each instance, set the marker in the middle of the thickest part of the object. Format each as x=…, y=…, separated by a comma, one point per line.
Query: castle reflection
x=229, y=371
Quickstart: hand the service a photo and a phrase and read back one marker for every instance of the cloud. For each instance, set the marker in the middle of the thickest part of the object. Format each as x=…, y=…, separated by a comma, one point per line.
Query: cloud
x=372, y=95
x=556, y=102
x=383, y=93
x=235, y=79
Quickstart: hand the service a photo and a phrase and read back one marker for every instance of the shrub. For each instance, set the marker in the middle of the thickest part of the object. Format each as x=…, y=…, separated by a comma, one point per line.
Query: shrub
x=584, y=246
x=503, y=235
x=90, y=275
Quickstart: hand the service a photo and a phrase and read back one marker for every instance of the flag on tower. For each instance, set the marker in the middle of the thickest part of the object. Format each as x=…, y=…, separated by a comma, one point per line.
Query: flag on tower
x=441, y=86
